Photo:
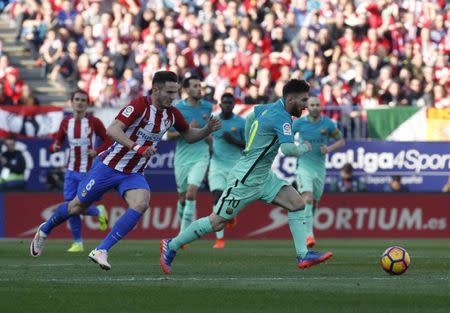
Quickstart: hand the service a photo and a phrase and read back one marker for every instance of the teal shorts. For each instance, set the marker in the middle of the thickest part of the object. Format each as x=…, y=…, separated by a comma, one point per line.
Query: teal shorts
x=217, y=177
x=191, y=174
x=309, y=181
x=237, y=195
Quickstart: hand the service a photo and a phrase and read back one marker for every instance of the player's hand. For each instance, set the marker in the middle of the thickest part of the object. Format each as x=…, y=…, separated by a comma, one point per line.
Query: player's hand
x=55, y=147
x=213, y=124
x=144, y=151
x=307, y=145
x=92, y=153
x=324, y=149
x=227, y=136
x=193, y=124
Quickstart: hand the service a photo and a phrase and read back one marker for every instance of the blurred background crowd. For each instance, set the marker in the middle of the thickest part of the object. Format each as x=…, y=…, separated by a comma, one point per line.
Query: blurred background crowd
x=353, y=53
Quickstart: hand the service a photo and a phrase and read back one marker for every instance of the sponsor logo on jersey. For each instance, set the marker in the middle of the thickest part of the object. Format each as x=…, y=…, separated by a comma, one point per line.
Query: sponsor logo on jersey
x=127, y=111
x=148, y=136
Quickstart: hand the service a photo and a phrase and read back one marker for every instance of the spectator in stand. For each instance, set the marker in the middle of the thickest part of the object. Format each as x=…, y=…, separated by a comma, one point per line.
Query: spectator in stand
x=253, y=96
x=66, y=16
x=441, y=98
x=84, y=71
x=5, y=99
x=27, y=98
x=415, y=94
x=392, y=40
x=50, y=51
x=394, y=96
x=12, y=167
x=347, y=182
x=98, y=83
x=396, y=185
x=13, y=84
x=65, y=67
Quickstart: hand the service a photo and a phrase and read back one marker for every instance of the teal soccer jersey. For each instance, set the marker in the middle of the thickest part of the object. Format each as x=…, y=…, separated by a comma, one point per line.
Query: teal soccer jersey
x=225, y=155
x=272, y=127
x=188, y=153
x=317, y=134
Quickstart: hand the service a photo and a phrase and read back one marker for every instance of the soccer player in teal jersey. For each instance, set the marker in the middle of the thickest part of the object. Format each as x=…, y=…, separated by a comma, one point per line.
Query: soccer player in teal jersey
x=310, y=173
x=267, y=129
x=191, y=160
x=228, y=143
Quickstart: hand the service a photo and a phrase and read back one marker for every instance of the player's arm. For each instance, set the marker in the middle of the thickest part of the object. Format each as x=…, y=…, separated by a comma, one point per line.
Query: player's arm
x=100, y=131
x=291, y=149
x=228, y=137
x=126, y=117
x=59, y=138
x=340, y=142
x=116, y=132
x=172, y=135
x=192, y=135
x=285, y=136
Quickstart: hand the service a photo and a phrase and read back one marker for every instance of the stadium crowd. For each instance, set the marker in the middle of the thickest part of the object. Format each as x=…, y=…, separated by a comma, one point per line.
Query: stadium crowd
x=353, y=53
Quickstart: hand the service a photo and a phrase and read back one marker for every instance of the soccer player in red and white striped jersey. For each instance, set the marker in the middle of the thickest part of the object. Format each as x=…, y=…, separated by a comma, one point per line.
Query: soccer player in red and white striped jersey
x=80, y=130
x=136, y=131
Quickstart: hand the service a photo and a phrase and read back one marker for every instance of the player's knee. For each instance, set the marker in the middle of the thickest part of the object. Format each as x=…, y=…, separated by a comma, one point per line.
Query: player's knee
x=76, y=207
x=296, y=204
x=308, y=198
x=141, y=206
x=191, y=192
x=217, y=222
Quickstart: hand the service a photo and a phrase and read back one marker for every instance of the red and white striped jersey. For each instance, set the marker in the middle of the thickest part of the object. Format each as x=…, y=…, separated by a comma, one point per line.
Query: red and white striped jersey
x=145, y=126
x=81, y=134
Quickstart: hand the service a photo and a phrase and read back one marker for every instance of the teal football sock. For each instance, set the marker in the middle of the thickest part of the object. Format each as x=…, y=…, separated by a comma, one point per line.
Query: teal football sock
x=180, y=208
x=309, y=219
x=297, y=226
x=196, y=230
x=220, y=234
x=188, y=214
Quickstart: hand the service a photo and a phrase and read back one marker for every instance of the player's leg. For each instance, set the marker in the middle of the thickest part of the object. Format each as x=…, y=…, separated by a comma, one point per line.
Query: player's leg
x=290, y=199
x=71, y=181
x=136, y=192
x=308, y=217
x=62, y=213
x=305, y=187
x=195, y=178
x=217, y=183
x=181, y=179
x=220, y=234
x=233, y=199
x=318, y=186
x=181, y=203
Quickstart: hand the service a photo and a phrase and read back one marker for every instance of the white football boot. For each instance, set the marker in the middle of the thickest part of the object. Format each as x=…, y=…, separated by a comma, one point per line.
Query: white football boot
x=37, y=244
x=101, y=258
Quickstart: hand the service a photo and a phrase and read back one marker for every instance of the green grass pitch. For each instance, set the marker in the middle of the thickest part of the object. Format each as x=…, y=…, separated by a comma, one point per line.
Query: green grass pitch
x=247, y=276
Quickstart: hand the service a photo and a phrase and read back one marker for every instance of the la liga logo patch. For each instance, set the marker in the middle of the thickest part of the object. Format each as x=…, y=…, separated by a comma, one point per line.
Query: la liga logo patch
x=127, y=111
x=287, y=129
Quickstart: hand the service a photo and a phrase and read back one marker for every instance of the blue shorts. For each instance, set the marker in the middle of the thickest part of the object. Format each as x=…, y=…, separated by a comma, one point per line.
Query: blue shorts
x=102, y=178
x=71, y=181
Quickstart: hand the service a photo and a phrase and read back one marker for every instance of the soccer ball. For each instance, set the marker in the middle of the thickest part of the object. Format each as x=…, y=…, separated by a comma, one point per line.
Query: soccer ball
x=395, y=260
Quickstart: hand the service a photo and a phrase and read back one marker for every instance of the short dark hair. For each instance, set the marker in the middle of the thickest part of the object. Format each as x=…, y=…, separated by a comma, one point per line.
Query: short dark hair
x=187, y=80
x=227, y=95
x=162, y=77
x=396, y=178
x=295, y=86
x=72, y=95
x=347, y=168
